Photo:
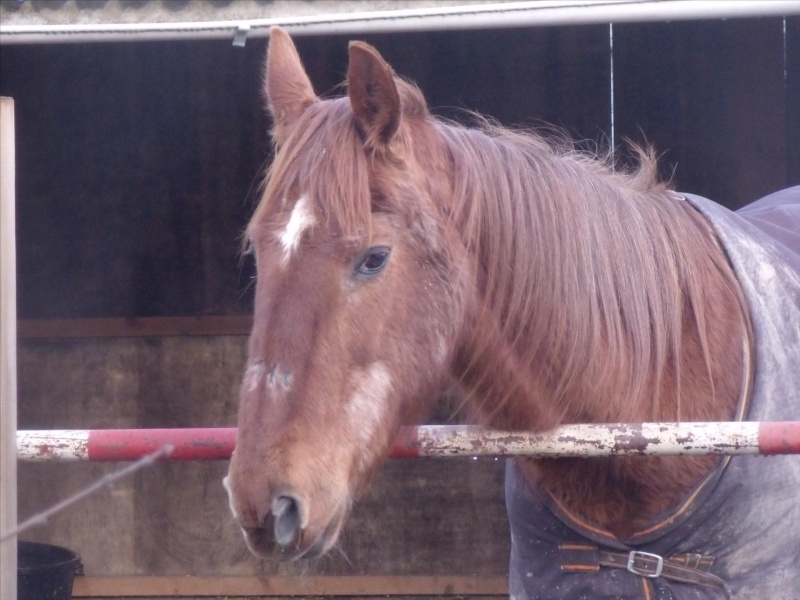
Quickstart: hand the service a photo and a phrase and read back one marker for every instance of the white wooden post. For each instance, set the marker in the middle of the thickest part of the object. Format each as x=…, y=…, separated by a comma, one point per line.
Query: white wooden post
x=8, y=352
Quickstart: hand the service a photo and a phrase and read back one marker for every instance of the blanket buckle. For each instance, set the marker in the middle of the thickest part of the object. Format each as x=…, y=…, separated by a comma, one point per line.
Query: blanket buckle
x=641, y=563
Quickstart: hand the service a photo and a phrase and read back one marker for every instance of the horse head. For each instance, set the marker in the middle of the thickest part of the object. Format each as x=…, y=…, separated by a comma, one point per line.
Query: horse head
x=358, y=299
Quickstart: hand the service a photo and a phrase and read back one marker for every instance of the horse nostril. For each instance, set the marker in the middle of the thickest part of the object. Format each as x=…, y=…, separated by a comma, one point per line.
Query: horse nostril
x=286, y=511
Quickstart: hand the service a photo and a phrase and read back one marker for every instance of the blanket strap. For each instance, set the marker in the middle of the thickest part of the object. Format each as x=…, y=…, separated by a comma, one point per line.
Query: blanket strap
x=685, y=568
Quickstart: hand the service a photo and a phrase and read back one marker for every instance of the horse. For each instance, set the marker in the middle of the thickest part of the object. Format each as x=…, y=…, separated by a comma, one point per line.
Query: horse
x=399, y=254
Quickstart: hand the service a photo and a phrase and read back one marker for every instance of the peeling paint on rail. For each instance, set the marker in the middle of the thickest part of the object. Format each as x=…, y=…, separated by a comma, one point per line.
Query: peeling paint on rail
x=53, y=445
x=619, y=439
x=596, y=440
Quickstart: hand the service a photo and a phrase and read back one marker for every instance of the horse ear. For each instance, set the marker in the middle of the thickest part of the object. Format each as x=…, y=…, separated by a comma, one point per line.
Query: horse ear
x=373, y=93
x=288, y=88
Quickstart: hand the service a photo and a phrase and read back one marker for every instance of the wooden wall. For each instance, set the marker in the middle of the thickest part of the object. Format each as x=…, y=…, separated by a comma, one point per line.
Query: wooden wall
x=139, y=164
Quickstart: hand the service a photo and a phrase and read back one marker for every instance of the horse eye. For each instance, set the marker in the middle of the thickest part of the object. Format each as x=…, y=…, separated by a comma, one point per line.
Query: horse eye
x=372, y=261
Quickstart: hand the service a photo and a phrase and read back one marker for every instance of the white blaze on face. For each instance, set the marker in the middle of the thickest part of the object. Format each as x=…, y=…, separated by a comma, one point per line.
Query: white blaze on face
x=368, y=405
x=300, y=220
x=253, y=375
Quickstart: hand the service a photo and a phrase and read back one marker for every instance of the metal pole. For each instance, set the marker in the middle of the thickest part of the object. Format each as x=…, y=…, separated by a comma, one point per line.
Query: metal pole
x=8, y=352
x=674, y=439
x=470, y=16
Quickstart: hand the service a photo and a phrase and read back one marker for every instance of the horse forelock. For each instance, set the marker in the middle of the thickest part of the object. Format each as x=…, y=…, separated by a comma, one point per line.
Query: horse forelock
x=325, y=160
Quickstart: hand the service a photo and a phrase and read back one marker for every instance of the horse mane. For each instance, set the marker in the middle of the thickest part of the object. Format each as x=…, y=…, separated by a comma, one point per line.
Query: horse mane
x=594, y=270
x=546, y=225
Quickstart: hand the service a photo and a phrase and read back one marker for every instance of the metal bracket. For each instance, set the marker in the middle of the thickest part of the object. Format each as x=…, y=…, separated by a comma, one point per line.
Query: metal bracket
x=240, y=38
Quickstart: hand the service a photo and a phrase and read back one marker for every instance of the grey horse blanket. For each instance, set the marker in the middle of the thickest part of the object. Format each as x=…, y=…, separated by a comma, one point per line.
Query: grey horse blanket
x=747, y=513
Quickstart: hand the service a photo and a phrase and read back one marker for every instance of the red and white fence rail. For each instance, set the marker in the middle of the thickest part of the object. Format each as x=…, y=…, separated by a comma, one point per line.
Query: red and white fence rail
x=765, y=438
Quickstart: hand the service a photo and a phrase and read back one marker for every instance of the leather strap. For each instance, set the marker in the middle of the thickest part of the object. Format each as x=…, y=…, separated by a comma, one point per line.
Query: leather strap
x=685, y=568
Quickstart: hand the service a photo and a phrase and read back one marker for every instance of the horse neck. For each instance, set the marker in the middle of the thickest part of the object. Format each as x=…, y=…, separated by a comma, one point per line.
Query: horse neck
x=593, y=294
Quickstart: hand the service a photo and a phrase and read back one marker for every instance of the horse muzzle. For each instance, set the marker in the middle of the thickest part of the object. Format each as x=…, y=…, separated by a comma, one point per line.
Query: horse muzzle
x=286, y=533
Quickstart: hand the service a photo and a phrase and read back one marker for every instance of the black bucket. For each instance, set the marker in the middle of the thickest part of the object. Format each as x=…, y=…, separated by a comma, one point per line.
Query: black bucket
x=45, y=572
